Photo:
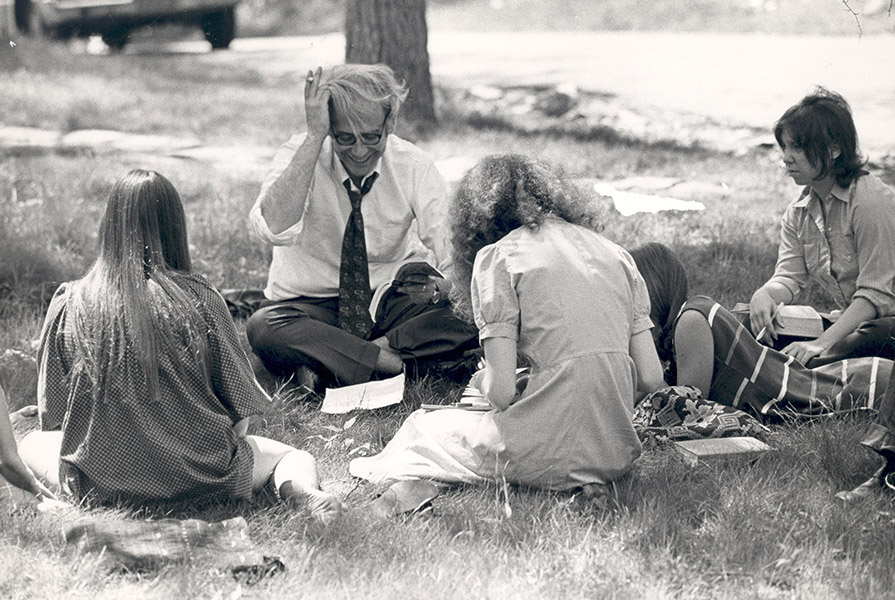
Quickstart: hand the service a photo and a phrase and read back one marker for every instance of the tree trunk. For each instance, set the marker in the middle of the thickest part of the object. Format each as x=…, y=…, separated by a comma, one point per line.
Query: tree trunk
x=9, y=57
x=394, y=32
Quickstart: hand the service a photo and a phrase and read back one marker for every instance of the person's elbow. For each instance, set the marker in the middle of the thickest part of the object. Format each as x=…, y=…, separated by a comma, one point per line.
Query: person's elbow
x=500, y=396
x=650, y=382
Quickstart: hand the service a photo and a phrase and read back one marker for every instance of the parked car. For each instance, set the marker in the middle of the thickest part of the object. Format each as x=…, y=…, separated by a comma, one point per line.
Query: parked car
x=114, y=19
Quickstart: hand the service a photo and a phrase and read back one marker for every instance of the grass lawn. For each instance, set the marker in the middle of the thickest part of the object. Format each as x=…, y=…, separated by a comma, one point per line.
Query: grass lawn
x=767, y=530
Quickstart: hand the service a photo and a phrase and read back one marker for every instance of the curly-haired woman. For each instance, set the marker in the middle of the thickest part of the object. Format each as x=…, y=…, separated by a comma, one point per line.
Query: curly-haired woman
x=541, y=283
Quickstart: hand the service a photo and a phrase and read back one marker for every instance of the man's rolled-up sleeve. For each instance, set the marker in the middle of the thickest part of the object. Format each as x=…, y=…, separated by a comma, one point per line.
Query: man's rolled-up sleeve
x=257, y=222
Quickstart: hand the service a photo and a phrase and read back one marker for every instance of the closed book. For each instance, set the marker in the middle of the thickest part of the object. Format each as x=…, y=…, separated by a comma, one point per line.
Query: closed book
x=718, y=449
x=796, y=320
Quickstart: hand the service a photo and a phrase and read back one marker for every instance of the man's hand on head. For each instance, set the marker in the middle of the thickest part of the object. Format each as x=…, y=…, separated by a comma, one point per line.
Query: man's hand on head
x=316, y=104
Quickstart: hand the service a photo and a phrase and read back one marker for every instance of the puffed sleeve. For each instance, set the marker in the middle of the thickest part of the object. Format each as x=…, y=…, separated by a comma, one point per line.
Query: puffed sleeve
x=232, y=378
x=495, y=304
x=53, y=377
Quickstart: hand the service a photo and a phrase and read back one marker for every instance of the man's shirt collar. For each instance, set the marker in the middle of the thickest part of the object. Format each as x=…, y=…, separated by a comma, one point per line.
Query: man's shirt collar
x=341, y=174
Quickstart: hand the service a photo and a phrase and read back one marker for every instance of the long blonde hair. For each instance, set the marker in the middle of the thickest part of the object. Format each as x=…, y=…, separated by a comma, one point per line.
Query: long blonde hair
x=129, y=301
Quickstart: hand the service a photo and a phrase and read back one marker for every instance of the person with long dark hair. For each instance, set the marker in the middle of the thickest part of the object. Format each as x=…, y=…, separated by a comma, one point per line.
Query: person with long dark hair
x=705, y=346
x=144, y=392
x=539, y=282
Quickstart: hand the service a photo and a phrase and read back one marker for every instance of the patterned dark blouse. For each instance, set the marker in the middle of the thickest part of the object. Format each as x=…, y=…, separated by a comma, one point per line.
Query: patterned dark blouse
x=181, y=446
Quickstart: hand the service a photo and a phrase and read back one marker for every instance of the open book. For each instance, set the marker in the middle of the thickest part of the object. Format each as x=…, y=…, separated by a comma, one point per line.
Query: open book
x=797, y=320
x=473, y=399
x=403, y=274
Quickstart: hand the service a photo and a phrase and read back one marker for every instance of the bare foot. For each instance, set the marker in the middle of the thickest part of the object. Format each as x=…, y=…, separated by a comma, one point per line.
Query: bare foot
x=324, y=507
x=24, y=413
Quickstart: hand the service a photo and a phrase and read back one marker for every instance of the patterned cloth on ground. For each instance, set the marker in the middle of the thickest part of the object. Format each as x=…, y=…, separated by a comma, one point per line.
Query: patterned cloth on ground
x=681, y=413
x=147, y=545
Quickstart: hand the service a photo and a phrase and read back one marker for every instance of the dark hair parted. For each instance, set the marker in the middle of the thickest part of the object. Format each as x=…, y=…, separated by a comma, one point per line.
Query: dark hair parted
x=666, y=282
x=502, y=193
x=819, y=124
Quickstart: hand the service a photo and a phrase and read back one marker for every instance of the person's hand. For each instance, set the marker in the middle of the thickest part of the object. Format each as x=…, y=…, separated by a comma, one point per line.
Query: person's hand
x=804, y=351
x=762, y=313
x=422, y=289
x=18, y=474
x=316, y=104
x=23, y=414
x=241, y=427
x=477, y=378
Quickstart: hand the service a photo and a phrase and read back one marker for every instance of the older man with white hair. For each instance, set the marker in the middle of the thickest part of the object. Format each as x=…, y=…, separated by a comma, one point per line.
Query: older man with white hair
x=343, y=206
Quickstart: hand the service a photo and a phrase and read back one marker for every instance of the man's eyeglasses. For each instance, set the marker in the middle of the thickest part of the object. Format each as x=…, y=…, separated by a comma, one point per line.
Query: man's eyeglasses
x=349, y=139
x=343, y=138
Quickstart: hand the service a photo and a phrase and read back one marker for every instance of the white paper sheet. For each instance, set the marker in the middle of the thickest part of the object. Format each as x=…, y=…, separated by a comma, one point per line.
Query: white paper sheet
x=364, y=396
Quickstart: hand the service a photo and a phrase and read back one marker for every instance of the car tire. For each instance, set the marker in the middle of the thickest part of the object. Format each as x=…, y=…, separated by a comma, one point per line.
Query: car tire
x=220, y=28
x=116, y=39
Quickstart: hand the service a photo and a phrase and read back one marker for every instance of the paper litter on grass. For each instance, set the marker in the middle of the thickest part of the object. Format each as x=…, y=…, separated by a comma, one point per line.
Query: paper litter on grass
x=629, y=203
x=364, y=396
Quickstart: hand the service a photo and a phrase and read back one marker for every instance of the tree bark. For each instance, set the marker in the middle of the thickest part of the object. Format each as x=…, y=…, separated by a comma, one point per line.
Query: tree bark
x=9, y=57
x=394, y=32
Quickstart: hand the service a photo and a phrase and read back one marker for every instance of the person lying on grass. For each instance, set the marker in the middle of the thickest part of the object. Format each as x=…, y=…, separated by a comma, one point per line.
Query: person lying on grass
x=838, y=233
x=141, y=368
x=12, y=469
x=538, y=280
x=706, y=346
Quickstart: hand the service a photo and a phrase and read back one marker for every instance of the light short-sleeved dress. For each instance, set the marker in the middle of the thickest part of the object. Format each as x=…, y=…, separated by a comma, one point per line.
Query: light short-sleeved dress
x=573, y=300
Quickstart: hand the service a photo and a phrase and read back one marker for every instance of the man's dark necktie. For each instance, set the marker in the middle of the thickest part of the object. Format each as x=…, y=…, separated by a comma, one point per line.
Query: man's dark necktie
x=354, y=274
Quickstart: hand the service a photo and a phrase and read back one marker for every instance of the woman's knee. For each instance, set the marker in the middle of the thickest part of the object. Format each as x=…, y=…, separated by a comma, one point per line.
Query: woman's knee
x=267, y=454
x=40, y=451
